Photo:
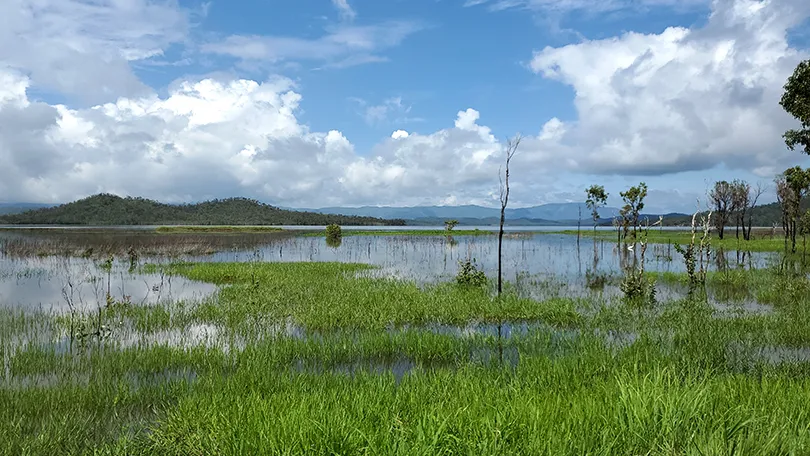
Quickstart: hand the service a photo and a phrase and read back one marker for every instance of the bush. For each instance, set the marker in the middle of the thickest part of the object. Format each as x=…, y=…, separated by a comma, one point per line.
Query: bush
x=333, y=231
x=470, y=275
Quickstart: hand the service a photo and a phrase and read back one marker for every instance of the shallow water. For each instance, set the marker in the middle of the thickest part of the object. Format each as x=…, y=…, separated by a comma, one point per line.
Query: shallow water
x=540, y=266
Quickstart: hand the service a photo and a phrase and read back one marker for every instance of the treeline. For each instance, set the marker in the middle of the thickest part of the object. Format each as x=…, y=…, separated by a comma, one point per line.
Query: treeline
x=108, y=210
x=734, y=204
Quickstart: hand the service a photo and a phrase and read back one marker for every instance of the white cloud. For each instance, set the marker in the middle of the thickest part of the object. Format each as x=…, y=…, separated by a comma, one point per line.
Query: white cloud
x=83, y=47
x=341, y=46
x=346, y=11
x=390, y=110
x=684, y=99
x=211, y=139
x=584, y=6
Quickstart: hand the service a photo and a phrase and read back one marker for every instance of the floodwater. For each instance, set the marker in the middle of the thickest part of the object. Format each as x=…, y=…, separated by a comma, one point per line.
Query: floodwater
x=64, y=270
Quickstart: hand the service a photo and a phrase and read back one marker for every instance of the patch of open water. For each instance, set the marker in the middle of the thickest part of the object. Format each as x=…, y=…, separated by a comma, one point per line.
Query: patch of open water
x=541, y=266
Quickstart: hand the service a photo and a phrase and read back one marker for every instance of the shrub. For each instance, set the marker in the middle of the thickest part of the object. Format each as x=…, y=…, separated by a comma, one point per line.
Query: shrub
x=333, y=231
x=470, y=275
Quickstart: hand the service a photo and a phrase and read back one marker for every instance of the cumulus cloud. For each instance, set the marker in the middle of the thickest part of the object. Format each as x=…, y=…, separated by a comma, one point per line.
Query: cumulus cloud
x=212, y=139
x=684, y=99
x=83, y=48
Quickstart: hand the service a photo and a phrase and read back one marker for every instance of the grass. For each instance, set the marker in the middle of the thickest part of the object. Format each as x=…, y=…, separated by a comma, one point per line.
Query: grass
x=217, y=229
x=316, y=358
x=759, y=243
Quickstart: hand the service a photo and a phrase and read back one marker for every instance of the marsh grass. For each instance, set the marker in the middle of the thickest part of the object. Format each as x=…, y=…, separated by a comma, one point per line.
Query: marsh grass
x=351, y=232
x=217, y=229
x=121, y=243
x=760, y=241
x=302, y=359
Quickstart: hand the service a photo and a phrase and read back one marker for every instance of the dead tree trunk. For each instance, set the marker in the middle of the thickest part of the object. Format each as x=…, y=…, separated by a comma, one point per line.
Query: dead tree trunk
x=511, y=149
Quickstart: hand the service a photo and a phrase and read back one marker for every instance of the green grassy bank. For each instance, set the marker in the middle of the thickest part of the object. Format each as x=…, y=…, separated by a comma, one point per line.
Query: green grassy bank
x=314, y=358
x=760, y=242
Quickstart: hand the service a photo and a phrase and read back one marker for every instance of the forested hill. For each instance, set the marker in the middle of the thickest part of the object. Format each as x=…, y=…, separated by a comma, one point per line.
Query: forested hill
x=106, y=209
x=763, y=215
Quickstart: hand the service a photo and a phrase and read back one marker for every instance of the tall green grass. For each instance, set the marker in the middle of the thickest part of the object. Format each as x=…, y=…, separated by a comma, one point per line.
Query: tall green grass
x=317, y=358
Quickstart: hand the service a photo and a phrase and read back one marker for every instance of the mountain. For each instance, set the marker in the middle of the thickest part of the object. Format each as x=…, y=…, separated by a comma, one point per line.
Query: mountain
x=546, y=212
x=106, y=209
x=487, y=221
x=16, y=208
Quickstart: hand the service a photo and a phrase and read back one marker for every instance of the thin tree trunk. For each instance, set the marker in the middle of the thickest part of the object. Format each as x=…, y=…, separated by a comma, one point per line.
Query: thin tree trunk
x=500, y=235
x=511, y=148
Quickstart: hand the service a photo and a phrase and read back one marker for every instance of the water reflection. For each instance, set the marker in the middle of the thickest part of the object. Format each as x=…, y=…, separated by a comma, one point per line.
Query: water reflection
x=59, y=284
x=541, y=265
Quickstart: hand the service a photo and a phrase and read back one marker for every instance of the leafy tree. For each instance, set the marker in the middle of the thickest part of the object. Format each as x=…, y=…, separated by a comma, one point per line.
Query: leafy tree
x=791, y=187
x=596, y=198
x=450, y=224
x=796, y=101
x=722, y=196
x=804, y=229
x=798, y=180
x=633, y=205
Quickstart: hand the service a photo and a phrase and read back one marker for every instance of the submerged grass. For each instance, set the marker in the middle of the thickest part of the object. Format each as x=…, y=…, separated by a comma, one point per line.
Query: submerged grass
x=350, y=232
x=218, y=229
x=336, y=295
x=317, y=358
x=760, y=242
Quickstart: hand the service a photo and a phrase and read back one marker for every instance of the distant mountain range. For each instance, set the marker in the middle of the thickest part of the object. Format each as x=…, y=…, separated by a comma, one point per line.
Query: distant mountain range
x=553, y=213
x=16, y=208
x=134, y=211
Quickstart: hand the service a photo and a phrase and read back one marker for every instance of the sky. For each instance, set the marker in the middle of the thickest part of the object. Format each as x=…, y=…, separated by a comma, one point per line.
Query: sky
x=315, y=103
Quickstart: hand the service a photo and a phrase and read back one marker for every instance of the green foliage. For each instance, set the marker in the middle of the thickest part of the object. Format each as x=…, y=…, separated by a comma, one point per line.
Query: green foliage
x=638, y=288
x=469, y=274
x=596, y=197
x=311, y=359
x=333, y=230
x=106, y=209
x=633, y=205
x=796, y=102
x=450, y=224
x=334, y=235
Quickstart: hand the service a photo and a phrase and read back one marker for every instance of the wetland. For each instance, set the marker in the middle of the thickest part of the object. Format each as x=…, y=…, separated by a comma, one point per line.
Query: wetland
x=211, y=341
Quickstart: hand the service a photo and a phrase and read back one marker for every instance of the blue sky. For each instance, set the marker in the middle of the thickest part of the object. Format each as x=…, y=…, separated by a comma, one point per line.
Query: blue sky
x=297, y=103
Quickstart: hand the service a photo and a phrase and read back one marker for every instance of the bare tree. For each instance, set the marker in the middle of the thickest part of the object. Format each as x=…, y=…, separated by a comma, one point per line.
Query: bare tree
x=740, y=199
x=722, y=197
x=758, y=191
x=511, y=148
